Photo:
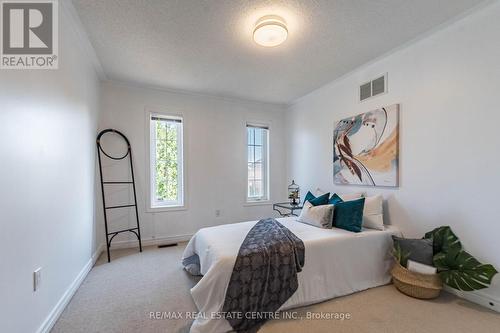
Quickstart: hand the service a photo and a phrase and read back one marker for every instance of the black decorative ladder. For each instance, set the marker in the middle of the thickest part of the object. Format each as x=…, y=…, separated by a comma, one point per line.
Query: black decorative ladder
x=136, y=230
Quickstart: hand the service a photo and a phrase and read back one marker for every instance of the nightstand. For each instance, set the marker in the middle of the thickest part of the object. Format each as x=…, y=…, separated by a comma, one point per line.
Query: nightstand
x=282, y=207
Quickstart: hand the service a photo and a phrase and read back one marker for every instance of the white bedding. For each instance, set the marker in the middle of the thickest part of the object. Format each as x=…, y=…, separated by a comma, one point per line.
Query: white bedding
x=337, y=263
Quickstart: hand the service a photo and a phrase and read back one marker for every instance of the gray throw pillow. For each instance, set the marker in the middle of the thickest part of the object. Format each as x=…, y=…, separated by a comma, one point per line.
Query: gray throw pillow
x=318, y=216
x=420, y=250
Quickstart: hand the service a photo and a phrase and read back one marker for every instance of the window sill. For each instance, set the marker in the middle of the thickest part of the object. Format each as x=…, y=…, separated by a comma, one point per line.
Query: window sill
x=165, y=209
x=257, y=203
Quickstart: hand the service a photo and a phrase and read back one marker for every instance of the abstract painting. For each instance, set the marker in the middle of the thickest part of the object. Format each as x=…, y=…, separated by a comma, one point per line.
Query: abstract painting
x=366, y=148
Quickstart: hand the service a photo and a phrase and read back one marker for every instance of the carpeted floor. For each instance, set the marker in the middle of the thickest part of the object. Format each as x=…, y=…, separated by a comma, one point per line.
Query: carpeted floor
x=119, y=297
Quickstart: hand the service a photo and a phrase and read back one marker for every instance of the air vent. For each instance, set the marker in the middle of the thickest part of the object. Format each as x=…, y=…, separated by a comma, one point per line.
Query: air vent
x=365, y=91
x=373, y=88
x=378, y=86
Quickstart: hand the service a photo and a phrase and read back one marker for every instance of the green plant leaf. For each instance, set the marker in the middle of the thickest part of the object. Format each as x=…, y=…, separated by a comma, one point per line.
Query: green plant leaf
x=401, y=256
x=460, y=270
x=444, y=240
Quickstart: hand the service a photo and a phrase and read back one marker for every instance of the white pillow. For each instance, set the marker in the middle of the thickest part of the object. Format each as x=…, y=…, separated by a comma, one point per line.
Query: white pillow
x=318, y=216
x=351, y=196
x=373, y=217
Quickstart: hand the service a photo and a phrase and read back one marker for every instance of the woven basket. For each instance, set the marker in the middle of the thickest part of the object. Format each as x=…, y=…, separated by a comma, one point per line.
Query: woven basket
x=424, y=286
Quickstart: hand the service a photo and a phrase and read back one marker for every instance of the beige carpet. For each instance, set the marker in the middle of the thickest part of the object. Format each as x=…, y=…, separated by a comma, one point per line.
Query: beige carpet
x=119, y=296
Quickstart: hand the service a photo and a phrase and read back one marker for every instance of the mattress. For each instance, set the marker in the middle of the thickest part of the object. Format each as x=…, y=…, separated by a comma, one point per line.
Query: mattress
x=337, y=263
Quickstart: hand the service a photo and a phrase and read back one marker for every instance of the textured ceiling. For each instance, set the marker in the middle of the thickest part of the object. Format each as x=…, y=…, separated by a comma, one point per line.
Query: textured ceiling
x=206, y=46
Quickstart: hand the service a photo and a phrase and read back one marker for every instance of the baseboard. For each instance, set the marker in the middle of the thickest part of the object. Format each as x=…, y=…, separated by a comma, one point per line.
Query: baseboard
x=477, y=297
x=125, y=244
x=64, y=300
x=100, y=249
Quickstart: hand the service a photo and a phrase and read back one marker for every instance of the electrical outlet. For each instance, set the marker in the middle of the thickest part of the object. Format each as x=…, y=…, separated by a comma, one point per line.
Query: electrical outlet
x=217, y=212
x=37, y=278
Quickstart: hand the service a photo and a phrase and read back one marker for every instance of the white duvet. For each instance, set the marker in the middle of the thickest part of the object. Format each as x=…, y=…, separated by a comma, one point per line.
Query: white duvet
x=337, y=263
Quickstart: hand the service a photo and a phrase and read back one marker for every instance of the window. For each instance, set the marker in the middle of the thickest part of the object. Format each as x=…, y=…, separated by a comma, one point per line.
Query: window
x=258, y=165
x=166, y=169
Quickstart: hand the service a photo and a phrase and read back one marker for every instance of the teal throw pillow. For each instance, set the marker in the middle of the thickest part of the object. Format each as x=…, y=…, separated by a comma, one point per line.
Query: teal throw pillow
x=317, y=201
x=348, y=215
x=335, y=199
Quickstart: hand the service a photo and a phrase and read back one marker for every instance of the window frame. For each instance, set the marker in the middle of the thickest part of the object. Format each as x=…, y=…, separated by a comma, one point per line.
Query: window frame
x=152, y=205
x=265, y=165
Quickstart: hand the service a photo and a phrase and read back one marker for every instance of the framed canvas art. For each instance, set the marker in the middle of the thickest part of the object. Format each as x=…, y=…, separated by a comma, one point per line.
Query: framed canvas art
x=366, y=148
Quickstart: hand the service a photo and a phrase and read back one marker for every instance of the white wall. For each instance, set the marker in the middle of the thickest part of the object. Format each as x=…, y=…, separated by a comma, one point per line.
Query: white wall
x=48, y=122
x=215, y=157
x=448, y=86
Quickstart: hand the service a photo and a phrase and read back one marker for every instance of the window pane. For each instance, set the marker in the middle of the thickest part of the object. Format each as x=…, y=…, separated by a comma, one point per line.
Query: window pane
x=258, y=188
x=250, y=135
x=251, y=172
x=251, y=189
x=171, y=186
x=161, y=181
x=257, y=163
x=250, y=154
x=166, y=181
x=255, y=189
x=172, y=132
x=171, y=151
x=167, y=166
x=258, y=171
x=160, y=131
x=258, y=154
x=259, y=132
x=161, y=150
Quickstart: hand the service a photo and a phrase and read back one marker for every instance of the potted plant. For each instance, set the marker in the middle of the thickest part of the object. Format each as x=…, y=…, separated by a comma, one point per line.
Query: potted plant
x=455, y=268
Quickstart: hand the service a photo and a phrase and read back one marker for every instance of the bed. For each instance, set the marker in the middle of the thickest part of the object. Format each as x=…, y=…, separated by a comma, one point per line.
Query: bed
x=337, y=263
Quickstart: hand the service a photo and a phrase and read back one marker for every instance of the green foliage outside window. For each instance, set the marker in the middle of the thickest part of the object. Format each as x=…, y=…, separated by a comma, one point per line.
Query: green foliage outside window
x=166, y=161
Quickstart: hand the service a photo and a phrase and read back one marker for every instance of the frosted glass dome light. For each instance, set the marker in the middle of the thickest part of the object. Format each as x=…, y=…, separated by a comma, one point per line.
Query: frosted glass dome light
x=270, y=31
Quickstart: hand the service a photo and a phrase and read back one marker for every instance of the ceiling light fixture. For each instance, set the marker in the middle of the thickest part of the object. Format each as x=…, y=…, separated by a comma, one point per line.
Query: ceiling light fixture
x=270, y=31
